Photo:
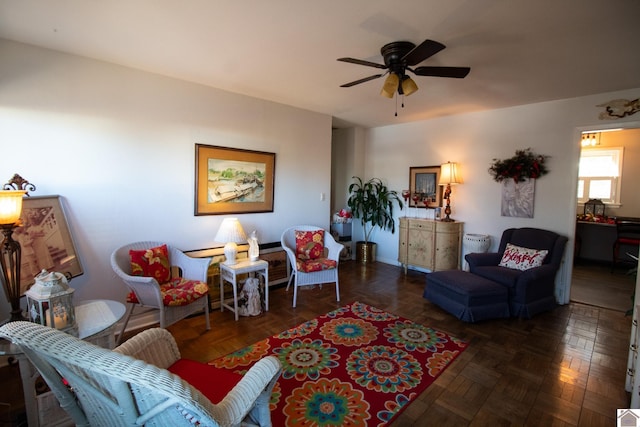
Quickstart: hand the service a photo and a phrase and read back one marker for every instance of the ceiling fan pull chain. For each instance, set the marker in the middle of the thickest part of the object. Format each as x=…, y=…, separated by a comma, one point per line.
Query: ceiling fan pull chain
x=396, y=105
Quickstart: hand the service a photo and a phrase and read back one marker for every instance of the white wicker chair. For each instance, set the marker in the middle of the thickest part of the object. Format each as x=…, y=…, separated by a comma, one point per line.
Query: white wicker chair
x=301, y=278
x=131, y=386
x=147, y=289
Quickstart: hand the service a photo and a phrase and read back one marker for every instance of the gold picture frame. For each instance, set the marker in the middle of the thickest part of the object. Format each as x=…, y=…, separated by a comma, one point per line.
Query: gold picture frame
x=232, y=180
x=45, y=240
x=423, y=182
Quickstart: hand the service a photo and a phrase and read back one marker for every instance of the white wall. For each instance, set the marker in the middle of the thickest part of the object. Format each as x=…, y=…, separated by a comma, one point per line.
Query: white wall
x=119, y=146
x=474, y=140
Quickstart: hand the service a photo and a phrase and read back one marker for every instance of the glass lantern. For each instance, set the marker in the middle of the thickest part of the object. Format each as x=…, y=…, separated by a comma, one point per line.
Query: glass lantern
x=50, y=302
x=594, y=207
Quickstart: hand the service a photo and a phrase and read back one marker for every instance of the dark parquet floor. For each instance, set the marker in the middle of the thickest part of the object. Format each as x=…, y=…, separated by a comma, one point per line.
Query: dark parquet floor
x=561, y=368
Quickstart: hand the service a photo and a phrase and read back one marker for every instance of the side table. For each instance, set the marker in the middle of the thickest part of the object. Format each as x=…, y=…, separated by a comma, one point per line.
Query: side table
x=229, y=273
x=96, y=324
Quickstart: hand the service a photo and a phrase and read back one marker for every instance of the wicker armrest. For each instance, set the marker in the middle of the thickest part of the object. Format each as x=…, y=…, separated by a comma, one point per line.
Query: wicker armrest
x=260, y=379
x=155, y=346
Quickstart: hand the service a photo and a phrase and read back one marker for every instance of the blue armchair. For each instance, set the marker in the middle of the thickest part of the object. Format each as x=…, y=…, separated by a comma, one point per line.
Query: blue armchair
x=530, y=291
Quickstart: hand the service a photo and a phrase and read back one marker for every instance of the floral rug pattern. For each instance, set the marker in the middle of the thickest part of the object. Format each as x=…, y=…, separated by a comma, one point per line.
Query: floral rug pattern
x=356, y=366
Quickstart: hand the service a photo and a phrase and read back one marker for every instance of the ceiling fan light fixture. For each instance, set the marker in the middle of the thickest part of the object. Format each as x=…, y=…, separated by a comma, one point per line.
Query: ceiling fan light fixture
x=409, y=86
x=390, y=85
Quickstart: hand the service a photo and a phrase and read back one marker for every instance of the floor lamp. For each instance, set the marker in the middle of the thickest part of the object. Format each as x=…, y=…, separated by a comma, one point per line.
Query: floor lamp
x=10, y=210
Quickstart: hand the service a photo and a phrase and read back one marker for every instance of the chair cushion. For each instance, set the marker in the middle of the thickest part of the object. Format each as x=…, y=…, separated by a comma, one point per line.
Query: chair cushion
x=152, y=262
x=520, y=258
x=319, y=264
x=178, y=292
x=309, y=244
x=214, y=383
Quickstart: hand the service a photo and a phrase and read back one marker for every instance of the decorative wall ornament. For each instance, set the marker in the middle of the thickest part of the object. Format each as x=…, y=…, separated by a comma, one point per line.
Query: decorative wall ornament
x=619, y=108
x=518, y=198
x=525, y=164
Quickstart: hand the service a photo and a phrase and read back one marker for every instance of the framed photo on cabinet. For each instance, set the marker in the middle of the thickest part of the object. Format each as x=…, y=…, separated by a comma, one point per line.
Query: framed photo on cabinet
x=424, y=188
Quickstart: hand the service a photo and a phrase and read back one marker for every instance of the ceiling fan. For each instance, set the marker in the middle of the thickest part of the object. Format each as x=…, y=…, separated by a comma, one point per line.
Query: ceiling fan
x=399, y=57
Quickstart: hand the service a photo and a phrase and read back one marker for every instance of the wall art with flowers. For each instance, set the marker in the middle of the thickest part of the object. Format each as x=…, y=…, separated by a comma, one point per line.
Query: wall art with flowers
x=517, y=175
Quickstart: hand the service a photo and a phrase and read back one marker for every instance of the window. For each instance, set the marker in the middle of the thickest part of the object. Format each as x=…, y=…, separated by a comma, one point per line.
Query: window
x=600, y=175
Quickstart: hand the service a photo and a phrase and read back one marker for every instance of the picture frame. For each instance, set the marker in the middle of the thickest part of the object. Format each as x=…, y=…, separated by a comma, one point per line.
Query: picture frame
x=45, y=240
x=233, y=180
x=423, y=183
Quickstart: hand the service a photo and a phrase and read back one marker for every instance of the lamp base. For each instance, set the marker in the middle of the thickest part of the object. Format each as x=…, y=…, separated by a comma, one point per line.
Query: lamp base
x=230, y=253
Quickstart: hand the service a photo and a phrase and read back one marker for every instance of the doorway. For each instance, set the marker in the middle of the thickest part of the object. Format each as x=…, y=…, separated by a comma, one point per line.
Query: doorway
x=593, y=281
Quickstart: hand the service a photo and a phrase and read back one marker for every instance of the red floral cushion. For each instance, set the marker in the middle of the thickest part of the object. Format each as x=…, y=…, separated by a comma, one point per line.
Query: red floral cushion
x=521, y=258
x=311, y=265
x=214, y=383
x=309, y=244
x=152, y=262
x=178, y=292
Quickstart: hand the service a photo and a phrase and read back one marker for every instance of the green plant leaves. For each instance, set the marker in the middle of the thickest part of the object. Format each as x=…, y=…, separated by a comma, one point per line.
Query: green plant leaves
x=372, y=203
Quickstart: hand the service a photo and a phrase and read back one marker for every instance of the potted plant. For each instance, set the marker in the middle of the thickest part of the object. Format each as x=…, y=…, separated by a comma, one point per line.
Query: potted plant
x=372, y=203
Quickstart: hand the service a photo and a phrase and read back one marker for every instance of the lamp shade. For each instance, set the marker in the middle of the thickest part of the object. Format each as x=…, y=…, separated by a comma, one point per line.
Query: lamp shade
x=231, y=233
x=10, y=206
x=450, y=174
x=390, y=85
x=408, y=86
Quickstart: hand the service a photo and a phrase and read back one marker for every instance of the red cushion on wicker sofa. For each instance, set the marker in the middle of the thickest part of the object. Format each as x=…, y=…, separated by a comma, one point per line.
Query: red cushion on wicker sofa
x=214, y=383
x=309, y=244
x=152, y=262
x=178, y=292
x=319, y=264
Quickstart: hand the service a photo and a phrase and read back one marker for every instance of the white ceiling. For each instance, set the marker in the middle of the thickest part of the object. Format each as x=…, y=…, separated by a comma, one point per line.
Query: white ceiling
x=520, y=52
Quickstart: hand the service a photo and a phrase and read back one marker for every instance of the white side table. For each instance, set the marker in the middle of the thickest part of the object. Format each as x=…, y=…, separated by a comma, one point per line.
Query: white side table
x=97, y=320
x=230, y=274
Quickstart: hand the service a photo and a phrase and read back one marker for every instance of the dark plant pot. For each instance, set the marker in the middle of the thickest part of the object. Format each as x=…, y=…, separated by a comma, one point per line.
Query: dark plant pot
x=366, y=252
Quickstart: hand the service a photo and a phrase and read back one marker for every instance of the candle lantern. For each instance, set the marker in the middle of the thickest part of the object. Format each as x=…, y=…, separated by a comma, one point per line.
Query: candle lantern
x=50, y=302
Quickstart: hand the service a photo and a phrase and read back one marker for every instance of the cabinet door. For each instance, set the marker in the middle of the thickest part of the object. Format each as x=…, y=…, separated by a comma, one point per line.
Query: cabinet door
x=447, y=246
x=421, y=242
x=403, y=244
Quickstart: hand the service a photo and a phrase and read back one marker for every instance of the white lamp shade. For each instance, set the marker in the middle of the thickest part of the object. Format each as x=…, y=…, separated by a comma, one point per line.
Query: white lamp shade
x=11, y=205
x=231, y=233
x=450, y=174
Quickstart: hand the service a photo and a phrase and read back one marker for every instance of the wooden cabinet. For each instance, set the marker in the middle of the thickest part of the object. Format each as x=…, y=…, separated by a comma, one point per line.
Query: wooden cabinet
x=425, y=243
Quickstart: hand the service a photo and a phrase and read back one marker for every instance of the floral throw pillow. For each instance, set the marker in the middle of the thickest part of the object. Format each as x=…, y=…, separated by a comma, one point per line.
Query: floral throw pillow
x=521, y=258
x=309, y=244
x=152, y=262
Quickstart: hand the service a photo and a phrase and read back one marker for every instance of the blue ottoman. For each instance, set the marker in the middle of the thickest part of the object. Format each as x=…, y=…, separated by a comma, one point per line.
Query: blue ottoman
x=468, y=297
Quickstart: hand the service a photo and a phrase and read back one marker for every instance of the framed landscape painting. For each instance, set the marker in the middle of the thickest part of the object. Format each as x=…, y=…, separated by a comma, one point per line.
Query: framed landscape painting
x=232, y=180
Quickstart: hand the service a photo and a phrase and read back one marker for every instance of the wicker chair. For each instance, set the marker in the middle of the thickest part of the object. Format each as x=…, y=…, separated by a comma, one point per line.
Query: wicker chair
x=134, y=385
x=146, y=292
x=330, y=259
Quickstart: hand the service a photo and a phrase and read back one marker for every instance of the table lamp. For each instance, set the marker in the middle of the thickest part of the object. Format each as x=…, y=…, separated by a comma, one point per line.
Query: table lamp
x=449, y=175
x=230, y=233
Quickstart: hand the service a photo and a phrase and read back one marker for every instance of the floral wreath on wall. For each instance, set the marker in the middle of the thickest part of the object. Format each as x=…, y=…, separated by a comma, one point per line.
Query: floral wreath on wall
x=525, y=164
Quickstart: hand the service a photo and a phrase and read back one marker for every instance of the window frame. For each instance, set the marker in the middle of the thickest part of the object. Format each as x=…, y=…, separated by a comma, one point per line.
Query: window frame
x=616, y=181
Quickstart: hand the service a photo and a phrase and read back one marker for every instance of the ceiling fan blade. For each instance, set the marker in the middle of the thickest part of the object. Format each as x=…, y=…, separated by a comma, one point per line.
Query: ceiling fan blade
x=423, y=51
x=357, y=82
x=362, y=62
x=453, y=72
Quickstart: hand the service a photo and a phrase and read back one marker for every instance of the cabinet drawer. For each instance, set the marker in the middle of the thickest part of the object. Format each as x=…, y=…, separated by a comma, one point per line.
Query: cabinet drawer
x=419, y=225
